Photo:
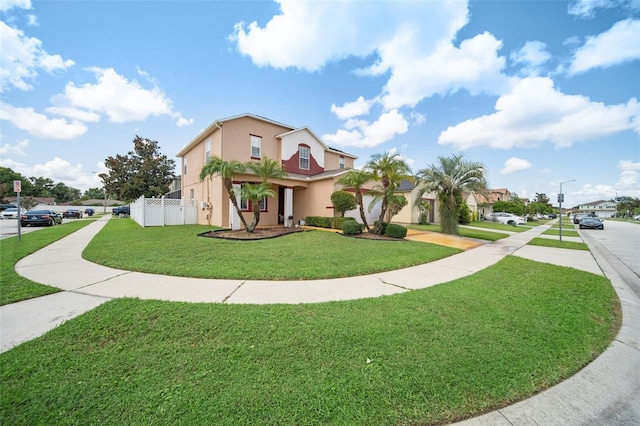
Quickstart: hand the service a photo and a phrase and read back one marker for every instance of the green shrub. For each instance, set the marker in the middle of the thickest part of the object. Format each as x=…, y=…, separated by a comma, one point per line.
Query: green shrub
x=338, y=221
x=351, y=227
x=384, y=226
x=395, y=231
x=319, y=221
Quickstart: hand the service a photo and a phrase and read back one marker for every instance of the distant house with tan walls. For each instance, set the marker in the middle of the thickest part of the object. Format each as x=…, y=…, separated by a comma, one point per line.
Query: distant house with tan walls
x=312, y=167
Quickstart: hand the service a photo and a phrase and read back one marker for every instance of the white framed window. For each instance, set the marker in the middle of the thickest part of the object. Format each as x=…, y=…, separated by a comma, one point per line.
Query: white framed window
x=184, y=165
x=244, y=204
x=256, y=144
x=303, y=152
x=207, y=151
x=341, y=162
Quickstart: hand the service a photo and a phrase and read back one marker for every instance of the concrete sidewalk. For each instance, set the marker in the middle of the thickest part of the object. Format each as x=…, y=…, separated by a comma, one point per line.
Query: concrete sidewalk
x=593, y=396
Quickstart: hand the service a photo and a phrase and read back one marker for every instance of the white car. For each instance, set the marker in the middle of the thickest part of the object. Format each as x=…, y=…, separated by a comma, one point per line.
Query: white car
x=11, y=213
x=505, y=218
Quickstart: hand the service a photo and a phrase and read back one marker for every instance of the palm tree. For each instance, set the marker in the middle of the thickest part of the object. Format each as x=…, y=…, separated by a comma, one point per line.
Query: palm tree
x=390, y=170
x=356, y=179
x=226, y=170
x=267, y=169
x=452, y=178
x=255, y=193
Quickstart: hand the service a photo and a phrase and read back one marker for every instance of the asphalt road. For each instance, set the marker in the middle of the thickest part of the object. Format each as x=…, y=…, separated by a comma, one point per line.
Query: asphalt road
x=621, y=239
x=9, y=228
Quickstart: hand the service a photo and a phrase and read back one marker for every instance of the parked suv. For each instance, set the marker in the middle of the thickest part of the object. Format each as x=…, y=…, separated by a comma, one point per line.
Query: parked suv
x=121, y=211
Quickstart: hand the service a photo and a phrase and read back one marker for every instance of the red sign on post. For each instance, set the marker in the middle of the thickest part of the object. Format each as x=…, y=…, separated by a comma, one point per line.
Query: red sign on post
x=17, y=186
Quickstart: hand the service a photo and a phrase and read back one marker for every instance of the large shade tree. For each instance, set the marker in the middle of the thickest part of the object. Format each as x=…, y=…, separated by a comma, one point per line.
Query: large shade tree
x=451, y=177
x=226, y=170
x=356, y=179
x=143, y=171
x=390, y=170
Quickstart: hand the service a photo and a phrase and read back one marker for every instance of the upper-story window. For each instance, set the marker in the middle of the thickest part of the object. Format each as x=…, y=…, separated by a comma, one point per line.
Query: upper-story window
x=341, y=162
x=303, y=152
x=184, y=165
x=207, y=151
x=256, y=142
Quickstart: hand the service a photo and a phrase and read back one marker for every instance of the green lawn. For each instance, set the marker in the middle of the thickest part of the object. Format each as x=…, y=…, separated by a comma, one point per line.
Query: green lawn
x=488, y=235
x=14, y=287
x=566, y=232
x=178, y=251
x=500, y=227
x=423, y=357
x=547, y=242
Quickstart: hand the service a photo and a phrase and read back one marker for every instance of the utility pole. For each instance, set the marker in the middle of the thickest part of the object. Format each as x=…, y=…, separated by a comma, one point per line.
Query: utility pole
x=560, y=200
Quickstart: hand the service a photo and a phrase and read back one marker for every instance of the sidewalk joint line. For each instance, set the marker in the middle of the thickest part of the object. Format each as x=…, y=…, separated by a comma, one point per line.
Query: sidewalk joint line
x=233, y=292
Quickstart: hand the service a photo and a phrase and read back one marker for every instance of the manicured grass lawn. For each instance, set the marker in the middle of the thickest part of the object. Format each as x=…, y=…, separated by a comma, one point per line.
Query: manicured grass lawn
x=464, y=232
x=546, y=242
x=566, y=232
x=178, y=251
x=13, y=287
x=424, y=357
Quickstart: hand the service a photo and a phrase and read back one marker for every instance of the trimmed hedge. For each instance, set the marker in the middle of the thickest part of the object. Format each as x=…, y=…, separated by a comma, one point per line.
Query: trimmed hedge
x=351, y=227
x=326, y=222
x=395, y=231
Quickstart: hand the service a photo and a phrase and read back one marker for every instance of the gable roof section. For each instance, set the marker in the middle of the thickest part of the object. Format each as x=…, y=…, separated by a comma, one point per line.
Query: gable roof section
x=218, y=123
x=320, y=141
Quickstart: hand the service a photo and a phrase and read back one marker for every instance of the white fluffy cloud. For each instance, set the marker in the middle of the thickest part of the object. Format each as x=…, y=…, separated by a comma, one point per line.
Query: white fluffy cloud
x=534, y=112
x=515, y=164
x=365, y=134
x=532, y=56
x=17, y=149
x=587, y=8
x=617, y=45
x=39, y=124
x=352, y=109
x=21, y=58
x=18, y=4
x=113, y=95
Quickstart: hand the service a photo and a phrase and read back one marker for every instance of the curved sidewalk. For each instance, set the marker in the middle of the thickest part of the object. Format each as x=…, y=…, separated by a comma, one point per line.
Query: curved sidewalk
x=605, y=392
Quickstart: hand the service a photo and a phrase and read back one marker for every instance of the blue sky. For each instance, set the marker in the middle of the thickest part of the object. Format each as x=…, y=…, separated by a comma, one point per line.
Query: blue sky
x=540, y=92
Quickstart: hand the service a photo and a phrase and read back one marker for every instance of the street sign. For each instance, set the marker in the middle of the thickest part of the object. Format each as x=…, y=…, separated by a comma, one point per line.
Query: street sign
x=17, y=186
x=560, y=198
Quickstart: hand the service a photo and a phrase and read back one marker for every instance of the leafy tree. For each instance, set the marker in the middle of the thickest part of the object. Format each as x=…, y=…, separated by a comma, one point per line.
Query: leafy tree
x=143, y=171
x=226, y=170
x=255, y=193
x=7, y=176
x=356, y=179
x=396, y=203
x=542, y=199
x=423, y=209
x=93, y=194
x=343, y=202
x=389, y=169
x=266, y=169
x=450, y=178
x=509, y=207
x=28, y=202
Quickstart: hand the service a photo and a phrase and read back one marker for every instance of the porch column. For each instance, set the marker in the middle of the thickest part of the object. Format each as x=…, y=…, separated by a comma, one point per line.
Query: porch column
x=288, y=205
x=234, y=219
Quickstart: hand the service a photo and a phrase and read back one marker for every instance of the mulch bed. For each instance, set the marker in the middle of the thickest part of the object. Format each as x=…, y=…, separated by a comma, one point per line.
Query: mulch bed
x=275, y=232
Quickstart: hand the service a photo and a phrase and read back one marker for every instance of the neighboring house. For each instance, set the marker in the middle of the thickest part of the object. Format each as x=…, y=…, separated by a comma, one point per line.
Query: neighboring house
x=410, y=213
x=601, y=208
x=43, y=202
x=485, y=202
x=312, y=168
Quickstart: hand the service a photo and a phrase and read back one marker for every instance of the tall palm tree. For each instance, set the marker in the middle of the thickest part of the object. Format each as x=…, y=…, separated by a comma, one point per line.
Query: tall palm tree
x=356, y=179
x=451, y=178
x=226, y=170
x=255, y=193
x=266, y=169
x=390, y=170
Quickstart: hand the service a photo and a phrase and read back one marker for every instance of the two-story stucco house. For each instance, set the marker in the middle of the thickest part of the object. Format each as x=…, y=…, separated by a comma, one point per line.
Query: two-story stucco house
x=312, y=169
x=601, y=208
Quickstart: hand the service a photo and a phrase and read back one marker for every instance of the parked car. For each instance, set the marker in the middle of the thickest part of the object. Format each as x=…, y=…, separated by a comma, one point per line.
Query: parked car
x=121, y=211
x=591, y=223
x=577, y=218
x=72, y=213
x=506, y=218
x=637, y=217
x=552, y=216
x=11, y=213
x=40, y=218
x=89, y=211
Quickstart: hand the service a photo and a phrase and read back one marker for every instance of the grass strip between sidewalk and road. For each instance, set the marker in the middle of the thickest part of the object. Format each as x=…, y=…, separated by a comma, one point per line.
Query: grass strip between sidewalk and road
x=13, y=287
x=547, y=242
x=426, y=357
x=179, y=251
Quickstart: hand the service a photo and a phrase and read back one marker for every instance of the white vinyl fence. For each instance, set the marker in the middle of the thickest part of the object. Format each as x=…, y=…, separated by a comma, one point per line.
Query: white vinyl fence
x=164, y=211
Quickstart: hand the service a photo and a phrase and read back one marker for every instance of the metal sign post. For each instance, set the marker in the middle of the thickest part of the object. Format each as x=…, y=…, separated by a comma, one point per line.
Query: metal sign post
x=17, y=188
